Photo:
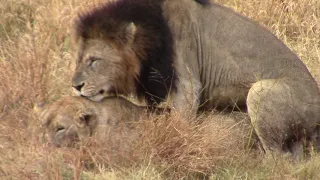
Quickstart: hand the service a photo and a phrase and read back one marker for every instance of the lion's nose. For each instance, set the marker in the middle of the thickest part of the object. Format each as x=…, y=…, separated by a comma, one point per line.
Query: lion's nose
x=78, y=87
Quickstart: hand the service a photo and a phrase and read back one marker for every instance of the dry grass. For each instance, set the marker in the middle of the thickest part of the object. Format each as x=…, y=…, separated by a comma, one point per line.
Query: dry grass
x=36, y=64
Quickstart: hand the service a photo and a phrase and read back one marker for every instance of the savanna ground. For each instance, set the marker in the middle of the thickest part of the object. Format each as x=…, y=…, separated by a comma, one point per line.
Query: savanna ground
x=36, y=64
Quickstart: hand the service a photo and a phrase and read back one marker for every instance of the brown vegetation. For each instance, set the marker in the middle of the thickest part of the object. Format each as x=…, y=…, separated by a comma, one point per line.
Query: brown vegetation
x=36, y=64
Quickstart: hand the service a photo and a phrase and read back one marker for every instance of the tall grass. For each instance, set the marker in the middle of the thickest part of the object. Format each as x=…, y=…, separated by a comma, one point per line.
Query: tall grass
x=36, y=64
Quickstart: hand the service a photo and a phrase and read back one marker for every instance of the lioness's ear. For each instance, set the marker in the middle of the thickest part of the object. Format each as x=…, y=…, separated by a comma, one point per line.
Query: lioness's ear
x=38, y=108
x=86, y=119
x=41, y=110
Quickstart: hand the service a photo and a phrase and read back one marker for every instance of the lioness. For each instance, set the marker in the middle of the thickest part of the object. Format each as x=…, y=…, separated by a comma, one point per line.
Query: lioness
x=72, y=119
x=205, y=56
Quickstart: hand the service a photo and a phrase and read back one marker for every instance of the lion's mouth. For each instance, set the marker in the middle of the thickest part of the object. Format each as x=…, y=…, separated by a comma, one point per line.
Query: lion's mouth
x=101, y=94
x=98, y=95
x=109, y=92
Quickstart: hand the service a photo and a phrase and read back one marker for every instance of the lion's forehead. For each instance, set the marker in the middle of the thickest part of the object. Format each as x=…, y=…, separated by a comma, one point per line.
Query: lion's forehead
x=97, y=48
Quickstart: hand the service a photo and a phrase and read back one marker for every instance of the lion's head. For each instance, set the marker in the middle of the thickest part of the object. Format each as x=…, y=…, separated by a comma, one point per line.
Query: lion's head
x=71, y=120
x=120, y=52
x=105, y=66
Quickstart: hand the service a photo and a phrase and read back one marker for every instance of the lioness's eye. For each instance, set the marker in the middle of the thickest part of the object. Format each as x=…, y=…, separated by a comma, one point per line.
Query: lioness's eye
x=59, y=128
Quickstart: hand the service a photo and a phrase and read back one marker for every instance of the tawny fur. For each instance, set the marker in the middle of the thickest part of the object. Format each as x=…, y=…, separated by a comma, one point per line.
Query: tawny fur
x=204, y=56
x=72, y=120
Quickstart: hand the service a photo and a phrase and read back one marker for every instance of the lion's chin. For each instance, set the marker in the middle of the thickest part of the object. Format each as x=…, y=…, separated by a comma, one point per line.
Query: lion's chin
x=101, y=95
x=97, y=97
x=76, y=92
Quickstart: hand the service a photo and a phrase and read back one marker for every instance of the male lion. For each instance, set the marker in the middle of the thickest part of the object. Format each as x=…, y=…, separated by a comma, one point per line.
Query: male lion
x=74, y=119
x=205, y=56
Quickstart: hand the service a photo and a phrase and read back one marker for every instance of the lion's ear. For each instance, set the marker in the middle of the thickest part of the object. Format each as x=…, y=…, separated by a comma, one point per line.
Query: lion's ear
x=130, y=31
x=124, y=36
x=86, y=119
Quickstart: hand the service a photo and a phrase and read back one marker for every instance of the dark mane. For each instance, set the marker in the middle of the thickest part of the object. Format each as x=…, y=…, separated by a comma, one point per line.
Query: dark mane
x=152, y=42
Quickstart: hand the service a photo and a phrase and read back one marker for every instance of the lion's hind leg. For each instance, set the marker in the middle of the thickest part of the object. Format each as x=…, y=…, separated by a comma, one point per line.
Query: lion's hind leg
x=272, y=112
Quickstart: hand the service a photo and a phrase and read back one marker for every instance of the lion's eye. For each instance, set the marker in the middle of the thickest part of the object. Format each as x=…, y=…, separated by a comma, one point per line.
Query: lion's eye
x=92, y=61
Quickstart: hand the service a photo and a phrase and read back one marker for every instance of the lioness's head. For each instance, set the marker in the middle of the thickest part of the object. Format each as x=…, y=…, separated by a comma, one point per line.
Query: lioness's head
x=71, y=119
x=68, y=120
